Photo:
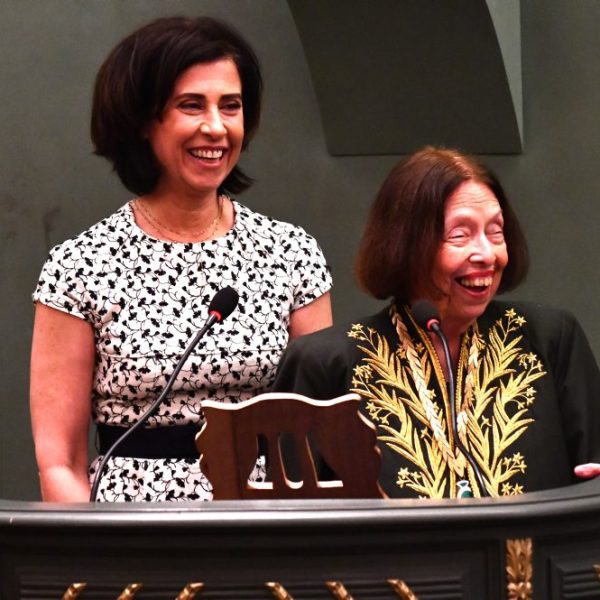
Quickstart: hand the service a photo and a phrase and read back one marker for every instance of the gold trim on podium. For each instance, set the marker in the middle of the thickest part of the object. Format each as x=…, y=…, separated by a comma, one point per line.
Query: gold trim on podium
x=519, y=569
x=338, y=590
x=74, y=590
x=278, y=590
x=130, y=591
x=402, y=590
x=190, y=591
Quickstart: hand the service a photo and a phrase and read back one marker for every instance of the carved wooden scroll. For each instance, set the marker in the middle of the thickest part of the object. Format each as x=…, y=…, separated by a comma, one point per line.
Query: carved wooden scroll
x=190, y=591
x=338, y=590
x=74, y=590
x=130, y=591
x=519, y=569
x=402, y=590
x=278, y=591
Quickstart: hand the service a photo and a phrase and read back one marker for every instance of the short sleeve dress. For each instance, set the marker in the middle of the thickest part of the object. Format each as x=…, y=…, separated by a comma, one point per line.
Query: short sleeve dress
x=147, y=298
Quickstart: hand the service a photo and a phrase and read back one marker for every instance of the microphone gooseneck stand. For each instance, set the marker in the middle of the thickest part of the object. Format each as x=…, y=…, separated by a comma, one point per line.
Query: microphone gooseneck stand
x=427, y=317
x=451, y=393
x=221, y=306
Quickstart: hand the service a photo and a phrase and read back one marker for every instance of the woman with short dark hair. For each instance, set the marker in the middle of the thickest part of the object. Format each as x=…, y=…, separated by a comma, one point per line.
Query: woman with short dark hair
x=136, y=80
x=406, y=223
x=175, y=104
x=505, y=400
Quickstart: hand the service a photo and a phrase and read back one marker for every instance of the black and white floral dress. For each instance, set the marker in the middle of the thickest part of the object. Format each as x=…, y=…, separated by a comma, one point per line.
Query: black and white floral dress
x=146, y=299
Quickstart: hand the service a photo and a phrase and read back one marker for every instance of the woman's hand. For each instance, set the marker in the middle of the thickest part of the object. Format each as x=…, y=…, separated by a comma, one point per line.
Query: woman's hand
x=62, y=365
x=588, y=470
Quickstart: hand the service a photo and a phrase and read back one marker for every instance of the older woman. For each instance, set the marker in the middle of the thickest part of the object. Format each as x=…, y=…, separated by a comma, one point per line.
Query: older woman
x=523, y=409
x=175, y=103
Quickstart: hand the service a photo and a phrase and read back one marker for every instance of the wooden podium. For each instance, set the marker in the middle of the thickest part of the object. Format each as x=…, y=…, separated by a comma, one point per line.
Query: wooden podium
x=543, y=545
x=316, y=432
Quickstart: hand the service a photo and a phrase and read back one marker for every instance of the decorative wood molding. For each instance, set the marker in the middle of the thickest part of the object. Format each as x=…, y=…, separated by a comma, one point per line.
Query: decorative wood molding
x=74, y=590
x=190, y=591
x=519, y=569
x=338, y=590
x=130, y=591
x=402, y=590
x=278, y=590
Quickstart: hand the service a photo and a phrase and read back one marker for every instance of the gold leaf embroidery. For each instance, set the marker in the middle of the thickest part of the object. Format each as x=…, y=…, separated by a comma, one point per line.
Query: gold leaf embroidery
x=403, y=398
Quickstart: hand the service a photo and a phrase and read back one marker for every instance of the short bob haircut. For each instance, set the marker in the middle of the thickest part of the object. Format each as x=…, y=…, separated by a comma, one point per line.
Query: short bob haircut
x=405, y=227
x=137, y=79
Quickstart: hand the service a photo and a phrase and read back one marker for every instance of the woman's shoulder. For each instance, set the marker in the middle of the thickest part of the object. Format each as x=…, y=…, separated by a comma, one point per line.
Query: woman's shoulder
x=321, y=364
x=111, y=229
x=319, y=342
x=535, y=311
x=258, y=224
x=540, y=320
x=341, y=337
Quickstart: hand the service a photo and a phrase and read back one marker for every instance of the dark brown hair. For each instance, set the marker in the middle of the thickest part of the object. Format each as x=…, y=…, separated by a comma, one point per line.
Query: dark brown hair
x=406, y=224
x=138, y=77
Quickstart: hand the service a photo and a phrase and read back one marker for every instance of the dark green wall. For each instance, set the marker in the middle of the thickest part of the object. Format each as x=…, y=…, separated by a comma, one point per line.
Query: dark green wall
x=51, y=186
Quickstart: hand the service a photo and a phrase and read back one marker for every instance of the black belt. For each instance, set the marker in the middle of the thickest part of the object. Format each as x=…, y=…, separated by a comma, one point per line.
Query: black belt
x=177, y=441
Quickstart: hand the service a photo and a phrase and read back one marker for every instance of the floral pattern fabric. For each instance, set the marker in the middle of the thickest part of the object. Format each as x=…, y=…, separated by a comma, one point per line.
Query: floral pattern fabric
x=146, y=299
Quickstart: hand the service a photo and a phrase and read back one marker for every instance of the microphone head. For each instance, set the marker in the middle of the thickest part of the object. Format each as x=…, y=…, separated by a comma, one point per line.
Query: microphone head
x=426, y=314
x=223, y=303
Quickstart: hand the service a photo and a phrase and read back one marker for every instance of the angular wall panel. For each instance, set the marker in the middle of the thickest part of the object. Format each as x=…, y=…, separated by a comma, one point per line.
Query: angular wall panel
x=393, y=75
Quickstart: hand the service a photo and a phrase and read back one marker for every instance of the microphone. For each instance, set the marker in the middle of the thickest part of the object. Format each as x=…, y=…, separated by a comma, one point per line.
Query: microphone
x=427, y=317
x=221, y=306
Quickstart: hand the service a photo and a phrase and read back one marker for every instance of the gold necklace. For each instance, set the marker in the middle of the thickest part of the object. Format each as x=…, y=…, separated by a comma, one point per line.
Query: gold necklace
x=209, y=230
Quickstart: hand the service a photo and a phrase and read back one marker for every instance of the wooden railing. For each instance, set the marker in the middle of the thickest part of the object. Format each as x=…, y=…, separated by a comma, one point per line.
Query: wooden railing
x=542, y=545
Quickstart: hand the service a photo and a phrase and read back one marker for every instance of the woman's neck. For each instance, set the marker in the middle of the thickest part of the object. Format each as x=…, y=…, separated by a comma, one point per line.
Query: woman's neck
x=179, y=218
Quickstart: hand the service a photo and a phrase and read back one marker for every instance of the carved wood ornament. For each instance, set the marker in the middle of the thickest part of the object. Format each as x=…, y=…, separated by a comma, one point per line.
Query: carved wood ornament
x=338, y=590
x=519, y=569
x=130, y=591
x=402, y=590
x=278, y=591
x=74, y=590
x=191, y=590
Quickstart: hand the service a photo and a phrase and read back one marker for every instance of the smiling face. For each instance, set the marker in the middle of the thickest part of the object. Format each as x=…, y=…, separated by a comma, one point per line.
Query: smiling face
x=471, y=258
x=198, y=139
